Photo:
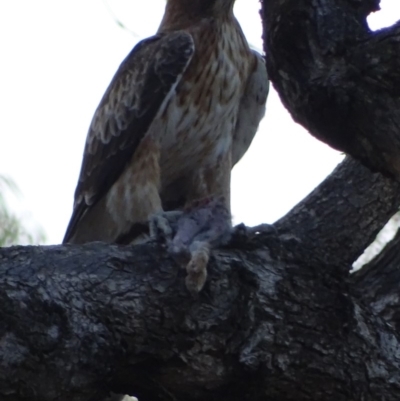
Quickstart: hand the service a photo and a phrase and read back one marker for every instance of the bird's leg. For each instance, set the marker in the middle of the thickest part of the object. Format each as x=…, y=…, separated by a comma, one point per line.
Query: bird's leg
x=163, y=225
x=191, y=234
x=204, y=225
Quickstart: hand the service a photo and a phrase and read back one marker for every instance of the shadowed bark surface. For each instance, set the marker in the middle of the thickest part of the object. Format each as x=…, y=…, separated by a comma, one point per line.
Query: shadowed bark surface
x=337, y=78
x=274, y=322
x=280, y=317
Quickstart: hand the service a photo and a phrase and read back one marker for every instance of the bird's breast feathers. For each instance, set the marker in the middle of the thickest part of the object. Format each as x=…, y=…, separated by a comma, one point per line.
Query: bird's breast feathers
x=198, y=123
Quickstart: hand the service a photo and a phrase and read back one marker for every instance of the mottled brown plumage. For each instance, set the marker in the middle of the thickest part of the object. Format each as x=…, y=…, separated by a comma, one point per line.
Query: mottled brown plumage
x=181, y=110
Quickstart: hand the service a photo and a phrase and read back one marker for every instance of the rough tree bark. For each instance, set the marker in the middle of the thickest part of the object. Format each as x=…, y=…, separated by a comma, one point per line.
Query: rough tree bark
x=280, y=317
x=337, y=78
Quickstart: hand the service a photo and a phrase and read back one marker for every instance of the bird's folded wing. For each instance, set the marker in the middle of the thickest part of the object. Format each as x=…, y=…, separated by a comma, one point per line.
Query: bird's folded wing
x=139, y=91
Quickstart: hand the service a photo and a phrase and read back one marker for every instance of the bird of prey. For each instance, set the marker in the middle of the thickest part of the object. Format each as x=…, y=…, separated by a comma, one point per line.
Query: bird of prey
x=180, y=112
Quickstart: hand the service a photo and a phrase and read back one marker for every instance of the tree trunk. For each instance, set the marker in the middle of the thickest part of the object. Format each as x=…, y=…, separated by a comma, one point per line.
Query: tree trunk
x=280, y=317
x=337, y=78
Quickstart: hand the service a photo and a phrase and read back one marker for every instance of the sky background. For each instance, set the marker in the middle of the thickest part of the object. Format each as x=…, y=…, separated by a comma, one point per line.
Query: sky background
x=57, y=59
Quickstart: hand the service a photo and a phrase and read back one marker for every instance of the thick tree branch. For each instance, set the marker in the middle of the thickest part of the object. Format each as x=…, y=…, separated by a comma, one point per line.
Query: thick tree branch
x=343, y=215
x=337, y=78
x=261, y=329
x=98, y=318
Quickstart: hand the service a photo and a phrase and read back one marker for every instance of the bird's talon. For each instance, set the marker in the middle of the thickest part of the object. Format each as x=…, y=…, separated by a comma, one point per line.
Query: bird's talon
x=162, y=226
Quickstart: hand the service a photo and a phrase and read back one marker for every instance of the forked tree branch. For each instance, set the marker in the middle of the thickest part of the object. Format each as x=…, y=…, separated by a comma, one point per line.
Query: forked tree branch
x=279, y=318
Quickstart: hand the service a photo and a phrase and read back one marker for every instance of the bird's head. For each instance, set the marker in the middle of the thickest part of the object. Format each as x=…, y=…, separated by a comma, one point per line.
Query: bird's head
x=198, y=9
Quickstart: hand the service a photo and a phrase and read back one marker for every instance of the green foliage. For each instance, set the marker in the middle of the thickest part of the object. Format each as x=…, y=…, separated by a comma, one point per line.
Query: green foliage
x=12, y=231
